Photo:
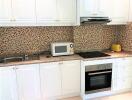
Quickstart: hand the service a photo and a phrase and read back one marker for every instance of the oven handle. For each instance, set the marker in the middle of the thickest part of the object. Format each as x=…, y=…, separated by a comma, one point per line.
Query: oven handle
x=99, y=73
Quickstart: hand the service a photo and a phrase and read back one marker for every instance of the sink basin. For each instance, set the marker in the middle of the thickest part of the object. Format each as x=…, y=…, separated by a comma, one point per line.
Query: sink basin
x=19, y=58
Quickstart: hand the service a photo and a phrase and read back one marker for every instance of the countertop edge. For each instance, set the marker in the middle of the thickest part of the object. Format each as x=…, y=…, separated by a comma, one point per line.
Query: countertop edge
x=44, y=59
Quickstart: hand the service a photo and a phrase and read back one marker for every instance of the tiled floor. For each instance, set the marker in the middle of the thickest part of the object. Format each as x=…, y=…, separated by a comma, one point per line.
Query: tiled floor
x=124, y=96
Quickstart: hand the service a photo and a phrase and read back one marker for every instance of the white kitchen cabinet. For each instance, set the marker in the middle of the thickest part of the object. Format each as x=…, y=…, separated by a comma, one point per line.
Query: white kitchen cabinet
x=122, y=70
x=38, y=12
x=23, y=11
x=28, y=81
x=130, y=11
x=56, y=12
x=8, y=84
x=67, y=11
x=94, y=8
x=70, y=77
x=46, y=11
x=5, y=11
x=89, y=8
x=60, y=79
x=122, y=84
x=119, y=11
x=50, y=80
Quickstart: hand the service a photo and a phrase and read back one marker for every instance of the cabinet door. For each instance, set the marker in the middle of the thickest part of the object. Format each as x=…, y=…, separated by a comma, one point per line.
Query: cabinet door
x=88, y=7
x=46, y=11
x=122, y=80
x=121, y=84
x=28, y=82
x=66, y=11
x=50, y=80
x=70, y=71
x=130, y=11
x=23, y=11
x=8, y=86
x=5, y=11
x=119, y=12
x=105, y=7
x=123, y=67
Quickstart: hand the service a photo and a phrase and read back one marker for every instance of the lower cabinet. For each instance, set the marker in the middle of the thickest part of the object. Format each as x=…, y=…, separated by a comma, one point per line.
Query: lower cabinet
x=46, y=81
x=70, y=78
x=60, y=79
x=122, y=85
x=28, y=82
x=50, y=76
x=8, y=84
x=122, y=70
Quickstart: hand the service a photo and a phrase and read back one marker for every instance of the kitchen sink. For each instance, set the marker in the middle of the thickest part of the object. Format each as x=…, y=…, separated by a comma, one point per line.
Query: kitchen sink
x=19, y=58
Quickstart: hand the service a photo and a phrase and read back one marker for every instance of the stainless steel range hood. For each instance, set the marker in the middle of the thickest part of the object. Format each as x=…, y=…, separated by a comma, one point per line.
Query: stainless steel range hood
x=95, y=20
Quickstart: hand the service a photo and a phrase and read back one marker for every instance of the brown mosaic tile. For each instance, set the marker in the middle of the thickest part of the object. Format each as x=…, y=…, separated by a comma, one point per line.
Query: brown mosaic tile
x=54, y=34
x=93, y=37
x=28, y=40
x=125, y=37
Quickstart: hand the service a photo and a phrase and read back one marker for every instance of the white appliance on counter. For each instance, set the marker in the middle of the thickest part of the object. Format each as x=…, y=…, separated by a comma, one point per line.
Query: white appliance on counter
x=62, y=48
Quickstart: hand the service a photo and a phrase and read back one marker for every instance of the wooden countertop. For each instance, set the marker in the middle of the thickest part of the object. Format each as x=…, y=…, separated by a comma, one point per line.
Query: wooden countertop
x=45, y=59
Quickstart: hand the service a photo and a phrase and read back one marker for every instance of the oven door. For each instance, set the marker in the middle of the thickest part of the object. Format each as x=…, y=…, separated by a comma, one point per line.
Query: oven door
x=97, y=80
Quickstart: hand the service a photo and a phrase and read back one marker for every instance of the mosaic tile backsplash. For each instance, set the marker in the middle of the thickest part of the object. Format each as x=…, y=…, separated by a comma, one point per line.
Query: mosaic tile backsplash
x=28, y=40
x=124, y=37
x=94, y=37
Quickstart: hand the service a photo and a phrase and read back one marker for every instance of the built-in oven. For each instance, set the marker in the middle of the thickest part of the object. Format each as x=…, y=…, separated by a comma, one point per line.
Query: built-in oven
x=98, y=78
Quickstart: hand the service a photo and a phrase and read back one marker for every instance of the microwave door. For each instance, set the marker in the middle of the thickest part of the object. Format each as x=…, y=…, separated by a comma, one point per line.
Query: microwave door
x=60, y=50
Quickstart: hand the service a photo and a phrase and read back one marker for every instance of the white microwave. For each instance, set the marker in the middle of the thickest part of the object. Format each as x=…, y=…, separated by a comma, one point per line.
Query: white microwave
x=62, y=48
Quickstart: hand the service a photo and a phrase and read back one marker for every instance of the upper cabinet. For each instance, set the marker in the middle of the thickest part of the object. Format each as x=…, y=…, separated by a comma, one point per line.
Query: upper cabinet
x=38, y=12
x=17, y=12
x=62, y=12
x=67, y=11
x=23, y=11
x=91, y=8
x=5, y=11
x=130, y=11
x=46, y=11
x=56, y=12
x=119, y=11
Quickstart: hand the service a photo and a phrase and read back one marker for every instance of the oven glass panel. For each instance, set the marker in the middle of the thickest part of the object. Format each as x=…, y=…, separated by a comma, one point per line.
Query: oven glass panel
x=97, y=81
x=60, y=49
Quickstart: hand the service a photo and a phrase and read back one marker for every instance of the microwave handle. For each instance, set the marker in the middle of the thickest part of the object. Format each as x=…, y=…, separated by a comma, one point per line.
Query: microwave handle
x=97, y=73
